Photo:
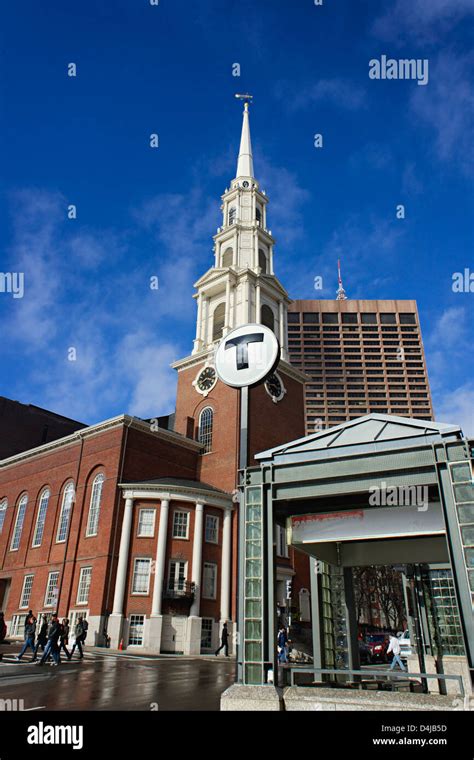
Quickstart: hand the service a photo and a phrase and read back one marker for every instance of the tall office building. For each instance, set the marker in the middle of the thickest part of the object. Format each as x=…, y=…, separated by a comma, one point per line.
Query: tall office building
x=362, y=356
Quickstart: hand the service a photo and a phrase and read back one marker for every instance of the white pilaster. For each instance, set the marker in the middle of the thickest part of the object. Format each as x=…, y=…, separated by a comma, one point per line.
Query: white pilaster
x=196, y=571
x=227, y=306
x=282, y=325
x=160, y=559
x=123, y=558
x=258, y=318
x=225, y=565
x=205, y=321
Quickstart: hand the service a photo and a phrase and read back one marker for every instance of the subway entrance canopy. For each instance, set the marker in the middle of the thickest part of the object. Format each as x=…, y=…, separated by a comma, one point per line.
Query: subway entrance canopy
x=378, y=490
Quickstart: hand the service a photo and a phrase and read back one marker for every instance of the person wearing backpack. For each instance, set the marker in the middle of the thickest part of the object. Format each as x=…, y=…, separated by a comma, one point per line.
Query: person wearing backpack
x=42, y=639
x=79, y=634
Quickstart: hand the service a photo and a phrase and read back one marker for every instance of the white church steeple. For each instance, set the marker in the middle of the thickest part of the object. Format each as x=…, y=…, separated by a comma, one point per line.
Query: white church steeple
x=241, y=286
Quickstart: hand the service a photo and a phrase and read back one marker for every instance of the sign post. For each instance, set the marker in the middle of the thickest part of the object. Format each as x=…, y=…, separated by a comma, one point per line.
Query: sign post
x=245, y=357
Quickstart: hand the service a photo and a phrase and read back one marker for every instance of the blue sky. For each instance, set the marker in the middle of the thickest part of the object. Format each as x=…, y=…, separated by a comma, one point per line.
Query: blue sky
x=141, y=212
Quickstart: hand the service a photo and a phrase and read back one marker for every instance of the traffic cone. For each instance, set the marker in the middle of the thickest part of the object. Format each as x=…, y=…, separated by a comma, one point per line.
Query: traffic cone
x=121, y=645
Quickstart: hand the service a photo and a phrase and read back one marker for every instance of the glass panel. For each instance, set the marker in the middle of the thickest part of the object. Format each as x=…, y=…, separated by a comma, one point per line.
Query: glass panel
x=466, y=513
x=253, y=568
x=253, y=650
x=471, y=579
x=468, y=536
x=253, y=496
x=254, y=549
x=254, y=513
x=469, y=554
x=253, y=608
x=464, y=493
x=253, y=629
x=253, y=674
x=461, y=472
x=253, y=588
x=253, y=531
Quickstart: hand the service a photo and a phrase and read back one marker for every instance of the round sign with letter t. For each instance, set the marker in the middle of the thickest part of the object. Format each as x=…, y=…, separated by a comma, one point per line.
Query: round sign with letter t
x=247, y=355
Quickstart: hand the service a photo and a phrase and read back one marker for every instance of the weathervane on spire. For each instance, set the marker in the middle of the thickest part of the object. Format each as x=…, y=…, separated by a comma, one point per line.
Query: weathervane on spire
x=245, y=97
x=341, y=293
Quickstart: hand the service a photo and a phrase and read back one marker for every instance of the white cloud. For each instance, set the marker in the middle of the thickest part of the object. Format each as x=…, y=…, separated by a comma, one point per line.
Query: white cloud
x=423, y=20
x=337, y=92
x=457, y=407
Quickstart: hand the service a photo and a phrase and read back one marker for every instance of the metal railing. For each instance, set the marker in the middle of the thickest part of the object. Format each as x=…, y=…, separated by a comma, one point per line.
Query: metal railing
x=181, y=590
x=375, y=673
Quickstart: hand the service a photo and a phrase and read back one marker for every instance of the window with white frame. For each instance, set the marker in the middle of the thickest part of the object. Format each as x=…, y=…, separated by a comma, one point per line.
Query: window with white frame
x=206, y=423
x=212, y=529
x=51, y=596
x=74, y=616
x=135, y=631
x=84, y=585
x=94, y=507
x=206, y=633
x=20, y=519
x=66, y=509
x=180, y=524
x=209, y=580
x=26, y=591
x=141, y=575
x=177, y=575
x=3, y=512
x=17, y=625
x=41, y=518
x=146, y=523
x=281, y=544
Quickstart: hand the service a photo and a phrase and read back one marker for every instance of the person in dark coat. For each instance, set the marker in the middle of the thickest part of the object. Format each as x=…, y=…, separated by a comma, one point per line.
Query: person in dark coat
x=52, y=647
x=79, y=634
x=42, y=639
x=3, y=632
x=30, y=635
x=64, y=638
x=224, y=641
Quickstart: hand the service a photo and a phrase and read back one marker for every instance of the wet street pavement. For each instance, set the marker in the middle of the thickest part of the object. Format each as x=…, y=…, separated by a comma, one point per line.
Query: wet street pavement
x=119, y=682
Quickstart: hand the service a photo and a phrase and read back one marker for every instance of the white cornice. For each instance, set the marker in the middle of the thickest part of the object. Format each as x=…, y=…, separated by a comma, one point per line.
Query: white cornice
x=176, y=493
x=123, y=420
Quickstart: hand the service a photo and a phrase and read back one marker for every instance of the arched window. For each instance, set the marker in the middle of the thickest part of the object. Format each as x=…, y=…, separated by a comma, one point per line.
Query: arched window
x=262, y=260
x=218, y=321
x=267, y=317
x=3, y=512
x=41, y=518
x=228, y=258
x=20, y=519
x=94, y=507
x=206, y=420
x=66, y=509
x=232, y=215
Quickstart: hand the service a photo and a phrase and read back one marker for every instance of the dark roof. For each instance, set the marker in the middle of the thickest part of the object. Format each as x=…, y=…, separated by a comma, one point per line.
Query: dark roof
x=177, y=483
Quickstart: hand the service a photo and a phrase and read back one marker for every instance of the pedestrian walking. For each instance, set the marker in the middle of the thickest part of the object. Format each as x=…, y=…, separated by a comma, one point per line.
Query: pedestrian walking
x=3, y=632
x=85, y=626
x=394, y=647
x=30, y=635
x=282, y=645
x=42, y=638
x=79, y=636
x=64, y=637
x=52, y=646
x=224, y=641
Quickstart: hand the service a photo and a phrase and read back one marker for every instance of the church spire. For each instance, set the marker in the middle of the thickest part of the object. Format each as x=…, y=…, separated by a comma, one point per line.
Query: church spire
x=341, y=293
x=245, y=161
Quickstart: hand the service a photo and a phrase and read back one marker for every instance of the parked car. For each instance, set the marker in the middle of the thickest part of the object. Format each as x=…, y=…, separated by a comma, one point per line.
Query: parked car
x=378, y=645
x=365, y=654
x=405, y=643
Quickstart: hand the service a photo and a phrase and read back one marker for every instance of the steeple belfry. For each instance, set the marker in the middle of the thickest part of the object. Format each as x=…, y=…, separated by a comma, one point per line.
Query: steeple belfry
x=241, y=287
x=245, y=160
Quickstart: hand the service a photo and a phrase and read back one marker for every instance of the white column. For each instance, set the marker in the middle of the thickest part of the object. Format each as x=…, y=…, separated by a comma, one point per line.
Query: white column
x=282, y=326
x=205, y=326
x=227, y=307
x=160, y=558
x=225, y=565
x=123, y=558
x=199, y=315
x=197, y=559
x=257, y=305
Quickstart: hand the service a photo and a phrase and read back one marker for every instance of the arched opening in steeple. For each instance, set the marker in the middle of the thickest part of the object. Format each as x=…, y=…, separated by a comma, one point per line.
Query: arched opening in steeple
x=262, y=260
x=267, y=317
x=218, y=321
x=228, y=257
x=258, y=214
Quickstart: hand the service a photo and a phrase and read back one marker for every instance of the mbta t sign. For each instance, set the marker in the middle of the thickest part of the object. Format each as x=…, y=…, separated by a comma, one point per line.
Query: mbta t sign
x=247, y=355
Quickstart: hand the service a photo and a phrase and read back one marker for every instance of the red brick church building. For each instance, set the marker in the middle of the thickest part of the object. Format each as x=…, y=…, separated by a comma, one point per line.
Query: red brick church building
x=134, y=525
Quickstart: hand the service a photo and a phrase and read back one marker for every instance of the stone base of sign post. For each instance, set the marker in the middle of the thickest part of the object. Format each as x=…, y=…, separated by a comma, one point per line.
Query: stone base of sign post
x=239, y=698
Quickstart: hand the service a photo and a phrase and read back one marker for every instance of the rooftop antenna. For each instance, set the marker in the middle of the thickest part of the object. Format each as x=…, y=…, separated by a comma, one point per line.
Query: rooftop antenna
x=341, y=293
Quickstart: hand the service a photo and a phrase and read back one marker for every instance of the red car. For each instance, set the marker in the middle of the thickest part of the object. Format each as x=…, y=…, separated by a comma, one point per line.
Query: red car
x=378, y=645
